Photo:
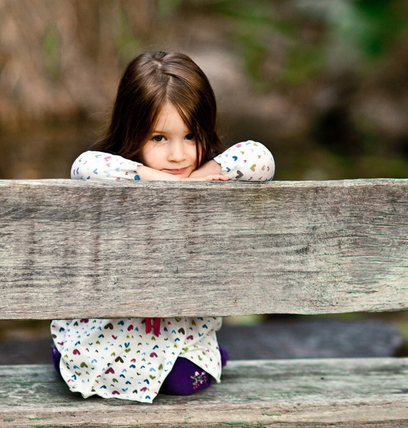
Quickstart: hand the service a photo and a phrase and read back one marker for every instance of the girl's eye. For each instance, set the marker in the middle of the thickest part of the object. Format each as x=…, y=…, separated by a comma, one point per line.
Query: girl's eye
x=190, y=137
x=158, y=138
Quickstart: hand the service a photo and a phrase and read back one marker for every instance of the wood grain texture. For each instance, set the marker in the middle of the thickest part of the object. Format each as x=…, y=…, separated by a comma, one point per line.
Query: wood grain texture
x=71, y=249
x=295, y=393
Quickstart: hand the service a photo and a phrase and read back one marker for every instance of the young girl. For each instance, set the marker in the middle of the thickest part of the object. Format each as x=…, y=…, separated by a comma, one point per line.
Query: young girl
x=162, y=128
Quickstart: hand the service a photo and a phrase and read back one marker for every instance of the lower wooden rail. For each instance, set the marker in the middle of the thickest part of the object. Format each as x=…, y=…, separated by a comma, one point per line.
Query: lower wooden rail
x=278, y=393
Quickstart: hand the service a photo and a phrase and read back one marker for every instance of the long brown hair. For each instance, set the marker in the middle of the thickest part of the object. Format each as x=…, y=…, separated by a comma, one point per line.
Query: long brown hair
x=149, y=81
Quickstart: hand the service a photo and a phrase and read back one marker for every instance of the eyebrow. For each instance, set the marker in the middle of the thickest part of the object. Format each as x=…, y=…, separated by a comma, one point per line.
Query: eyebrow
x=155, y=131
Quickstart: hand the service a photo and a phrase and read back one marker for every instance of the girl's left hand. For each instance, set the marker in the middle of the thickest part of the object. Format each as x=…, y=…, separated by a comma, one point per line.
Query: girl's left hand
x=209, y=169
x=210, y=177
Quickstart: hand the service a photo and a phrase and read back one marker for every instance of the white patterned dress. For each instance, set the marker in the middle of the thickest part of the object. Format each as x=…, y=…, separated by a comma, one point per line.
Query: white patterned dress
x=125, y=358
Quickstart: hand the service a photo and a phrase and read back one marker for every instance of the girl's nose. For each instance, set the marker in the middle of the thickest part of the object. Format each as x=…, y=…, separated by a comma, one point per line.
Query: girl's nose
x=176, y=151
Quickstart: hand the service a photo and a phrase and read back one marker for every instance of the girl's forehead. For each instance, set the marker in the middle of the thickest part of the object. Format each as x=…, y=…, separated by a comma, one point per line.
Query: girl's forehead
x=169, y=116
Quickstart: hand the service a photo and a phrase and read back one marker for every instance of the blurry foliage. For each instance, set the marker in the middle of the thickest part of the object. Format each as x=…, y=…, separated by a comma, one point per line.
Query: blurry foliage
x=380, y=22
x=253, y=22
x=51, y=52
x=327, y=74
x=310, y=31
x=167, y=7
x=126, y=43
x=348, y=48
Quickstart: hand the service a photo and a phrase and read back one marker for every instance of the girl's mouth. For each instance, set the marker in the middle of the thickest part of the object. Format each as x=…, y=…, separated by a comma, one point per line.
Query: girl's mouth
x=176, y=171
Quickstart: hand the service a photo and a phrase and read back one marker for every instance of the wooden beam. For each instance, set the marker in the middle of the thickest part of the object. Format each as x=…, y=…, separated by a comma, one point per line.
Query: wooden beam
x=101, y=249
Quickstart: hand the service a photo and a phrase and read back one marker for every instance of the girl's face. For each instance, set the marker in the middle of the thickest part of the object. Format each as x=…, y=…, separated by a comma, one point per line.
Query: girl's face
x=171, y=147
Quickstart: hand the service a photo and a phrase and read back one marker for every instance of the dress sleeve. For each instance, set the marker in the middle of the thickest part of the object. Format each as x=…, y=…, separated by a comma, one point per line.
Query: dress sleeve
x=249, y=161
x=93, y=165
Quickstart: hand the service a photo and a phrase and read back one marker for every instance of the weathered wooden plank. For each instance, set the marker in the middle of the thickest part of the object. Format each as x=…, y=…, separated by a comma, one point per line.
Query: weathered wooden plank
x=73, y=249
x=299, y=393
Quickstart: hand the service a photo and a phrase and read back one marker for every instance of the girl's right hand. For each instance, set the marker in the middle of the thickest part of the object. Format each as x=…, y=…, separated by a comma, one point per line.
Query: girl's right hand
x=210, y=177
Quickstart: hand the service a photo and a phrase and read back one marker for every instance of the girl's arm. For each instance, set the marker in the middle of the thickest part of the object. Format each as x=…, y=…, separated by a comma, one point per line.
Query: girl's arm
x=249, y=161
x=99, y=165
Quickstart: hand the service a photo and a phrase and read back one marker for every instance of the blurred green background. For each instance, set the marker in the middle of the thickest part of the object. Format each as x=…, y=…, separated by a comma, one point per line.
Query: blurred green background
x=322, y=83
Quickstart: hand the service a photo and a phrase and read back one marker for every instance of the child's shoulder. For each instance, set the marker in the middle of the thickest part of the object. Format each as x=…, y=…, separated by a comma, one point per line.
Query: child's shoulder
x=95, y=154
x=91, y=154
x=248, y=148
x=249, y=144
